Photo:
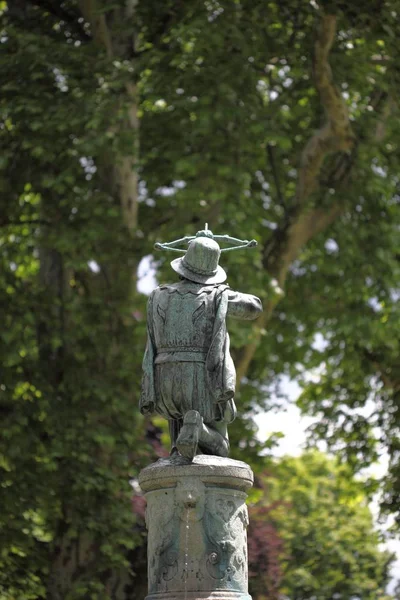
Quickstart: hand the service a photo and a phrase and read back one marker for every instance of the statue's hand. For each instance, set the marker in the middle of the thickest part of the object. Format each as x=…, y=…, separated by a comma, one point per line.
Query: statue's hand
x=252, y=243
x=158, y=246
x=147, y=409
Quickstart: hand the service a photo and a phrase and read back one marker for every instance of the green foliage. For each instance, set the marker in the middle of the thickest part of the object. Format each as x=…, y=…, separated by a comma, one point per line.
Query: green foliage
x=330, y=548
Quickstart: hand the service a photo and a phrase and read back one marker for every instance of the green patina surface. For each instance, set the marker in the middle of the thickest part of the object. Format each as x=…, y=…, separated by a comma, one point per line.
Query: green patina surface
x=188, y=373
x=197, y=528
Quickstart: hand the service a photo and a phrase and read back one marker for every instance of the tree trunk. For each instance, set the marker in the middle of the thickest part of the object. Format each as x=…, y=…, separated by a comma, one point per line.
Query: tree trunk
x=74, y=556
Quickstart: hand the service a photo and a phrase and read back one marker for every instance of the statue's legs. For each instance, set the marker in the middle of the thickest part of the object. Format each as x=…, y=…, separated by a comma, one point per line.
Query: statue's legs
x=175, y=425
x=186, y=437
x=213, y=438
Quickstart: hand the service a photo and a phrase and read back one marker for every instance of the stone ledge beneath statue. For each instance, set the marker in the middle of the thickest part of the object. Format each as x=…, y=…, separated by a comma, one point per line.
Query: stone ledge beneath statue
x=212, y=595
x=211, y=470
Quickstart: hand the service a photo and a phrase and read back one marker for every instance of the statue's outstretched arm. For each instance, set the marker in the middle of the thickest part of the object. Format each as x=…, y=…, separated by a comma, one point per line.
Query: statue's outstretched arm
x=173, y=245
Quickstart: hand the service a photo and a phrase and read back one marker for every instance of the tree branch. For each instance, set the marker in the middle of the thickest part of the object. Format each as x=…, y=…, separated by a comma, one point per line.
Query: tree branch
x=388, y=109
x=300, y=232
x=390, y=382
x=124, y=168
x=275, y=175
x=303, y=222
x=98, y=24
x=336, y=133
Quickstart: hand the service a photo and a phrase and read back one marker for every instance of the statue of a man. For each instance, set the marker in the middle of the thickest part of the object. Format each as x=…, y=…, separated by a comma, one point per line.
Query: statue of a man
x=188, y=374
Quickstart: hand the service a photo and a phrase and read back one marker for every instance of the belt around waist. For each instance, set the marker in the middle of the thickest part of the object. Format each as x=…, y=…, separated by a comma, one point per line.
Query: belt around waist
x=181, y=355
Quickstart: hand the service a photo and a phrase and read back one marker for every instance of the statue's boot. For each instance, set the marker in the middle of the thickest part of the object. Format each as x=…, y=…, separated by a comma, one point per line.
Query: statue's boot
x=188, y=437
x=213, y=439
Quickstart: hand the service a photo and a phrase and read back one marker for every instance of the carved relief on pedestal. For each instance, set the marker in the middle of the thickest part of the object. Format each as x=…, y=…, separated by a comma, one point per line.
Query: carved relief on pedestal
x=225, y=524
x=197, y=519
x=163, y=548
x=171, y=518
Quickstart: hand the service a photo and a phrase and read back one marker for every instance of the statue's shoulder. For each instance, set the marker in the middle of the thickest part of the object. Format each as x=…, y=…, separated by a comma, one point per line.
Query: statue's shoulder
x=165, y=286
x=188, y=287
x=169, y=288
x=185, y=287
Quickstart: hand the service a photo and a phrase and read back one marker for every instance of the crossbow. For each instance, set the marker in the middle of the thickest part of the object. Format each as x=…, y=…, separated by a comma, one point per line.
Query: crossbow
x=227, y=239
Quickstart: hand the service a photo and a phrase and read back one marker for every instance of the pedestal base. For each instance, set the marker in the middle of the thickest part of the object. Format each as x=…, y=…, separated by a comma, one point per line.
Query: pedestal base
x=218, y=595
x=197, y=518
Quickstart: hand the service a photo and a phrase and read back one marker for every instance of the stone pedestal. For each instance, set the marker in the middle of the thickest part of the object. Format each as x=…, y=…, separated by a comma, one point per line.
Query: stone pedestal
x=196, y=518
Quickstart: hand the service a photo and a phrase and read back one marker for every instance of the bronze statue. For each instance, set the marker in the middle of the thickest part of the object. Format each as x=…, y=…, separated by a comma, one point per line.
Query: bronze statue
x=188, y=373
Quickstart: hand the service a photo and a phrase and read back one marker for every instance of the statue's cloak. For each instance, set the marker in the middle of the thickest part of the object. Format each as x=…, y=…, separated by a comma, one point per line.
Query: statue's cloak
x=187, y=363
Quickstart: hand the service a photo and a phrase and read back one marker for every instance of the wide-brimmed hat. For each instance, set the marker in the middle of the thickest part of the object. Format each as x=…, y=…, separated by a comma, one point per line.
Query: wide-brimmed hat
x=200, y=263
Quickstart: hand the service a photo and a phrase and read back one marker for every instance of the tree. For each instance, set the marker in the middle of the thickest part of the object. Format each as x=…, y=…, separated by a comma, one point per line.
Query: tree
x=330, y=547
x=272, y=120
